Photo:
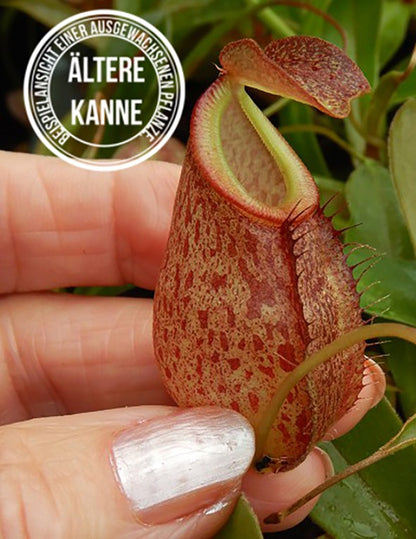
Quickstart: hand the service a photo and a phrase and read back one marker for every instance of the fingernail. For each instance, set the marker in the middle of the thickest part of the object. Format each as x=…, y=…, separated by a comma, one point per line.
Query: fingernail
x=374, y=375
x=174, y=465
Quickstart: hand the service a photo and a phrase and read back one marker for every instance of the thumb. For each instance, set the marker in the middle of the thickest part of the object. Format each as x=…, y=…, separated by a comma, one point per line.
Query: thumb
x=149, y=471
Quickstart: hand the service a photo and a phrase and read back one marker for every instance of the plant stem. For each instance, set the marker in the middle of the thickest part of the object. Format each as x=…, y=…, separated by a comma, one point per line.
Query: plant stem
x=343, y=342
x=275, y=23
x=279, y=26
x=382, y=453
x=381, y=98
x=276, y=106
x=377, y=142
x=321, y=130
x=410, y=66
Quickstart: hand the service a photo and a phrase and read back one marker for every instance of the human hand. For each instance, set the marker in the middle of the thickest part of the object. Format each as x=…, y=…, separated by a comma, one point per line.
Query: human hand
x=105, y=470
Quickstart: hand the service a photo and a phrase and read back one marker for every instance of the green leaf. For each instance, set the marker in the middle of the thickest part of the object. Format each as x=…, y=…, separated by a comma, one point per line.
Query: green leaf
x=406, y=89
x=402, y=363
x=205, y=45
x=405, y=438
x=305, y=144
x=328, y=187
x=216, y=17
x=332, y=194
x=312, y=24
x=129, y=6
x=393, y=288
x=402, y=360
x=392, y=479
x=102, y=290
x=394, y=20
x=351, y=508
x=362, y=21
x=190, y=14
x=380, y=501
x=372, y=202
x=381, y=97
x=242, y=524
x=272, y=20
x=403, y=163
x=48, y=12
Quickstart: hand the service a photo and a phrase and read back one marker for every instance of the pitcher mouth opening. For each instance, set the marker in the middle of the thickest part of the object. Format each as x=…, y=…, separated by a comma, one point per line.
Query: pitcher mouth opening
x=246, y=159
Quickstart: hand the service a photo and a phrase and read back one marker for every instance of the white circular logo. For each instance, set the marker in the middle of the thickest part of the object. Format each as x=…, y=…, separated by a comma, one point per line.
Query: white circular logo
x=99, y=81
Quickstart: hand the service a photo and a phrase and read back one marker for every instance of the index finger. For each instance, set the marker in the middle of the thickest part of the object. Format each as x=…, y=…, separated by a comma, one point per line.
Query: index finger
x=64, y=226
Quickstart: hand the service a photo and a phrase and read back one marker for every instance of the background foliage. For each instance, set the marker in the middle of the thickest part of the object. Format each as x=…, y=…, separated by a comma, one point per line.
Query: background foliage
x=368, y=161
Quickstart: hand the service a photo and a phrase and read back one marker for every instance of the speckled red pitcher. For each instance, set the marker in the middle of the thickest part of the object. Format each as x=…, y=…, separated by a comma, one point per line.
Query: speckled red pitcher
x=255, y=277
